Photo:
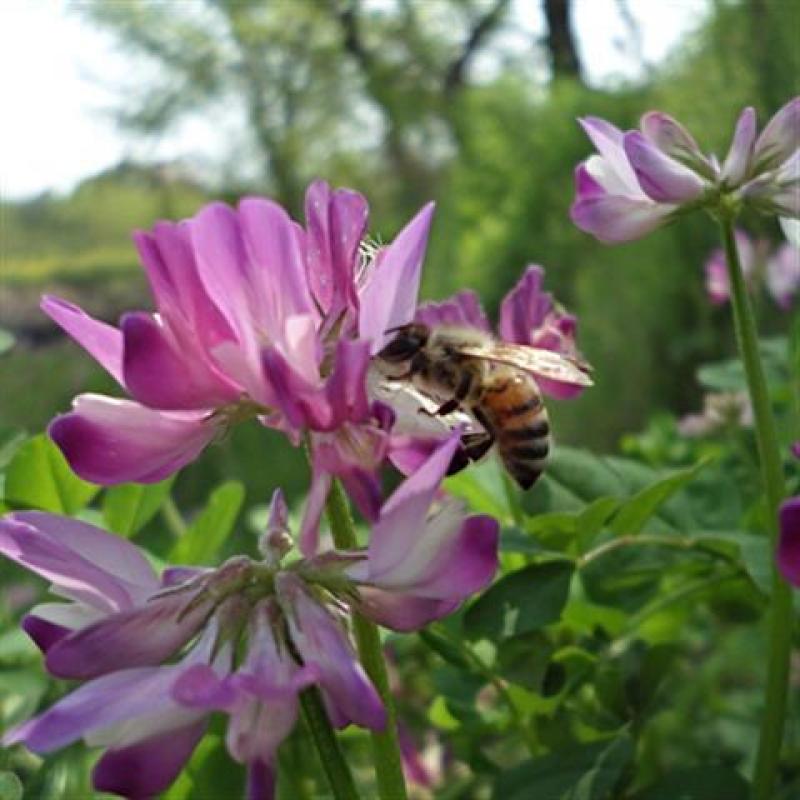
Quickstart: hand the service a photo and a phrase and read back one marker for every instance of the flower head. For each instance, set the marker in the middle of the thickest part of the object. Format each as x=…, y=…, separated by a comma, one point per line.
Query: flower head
x=639, y=180
x=159, y=654
x=256, y=317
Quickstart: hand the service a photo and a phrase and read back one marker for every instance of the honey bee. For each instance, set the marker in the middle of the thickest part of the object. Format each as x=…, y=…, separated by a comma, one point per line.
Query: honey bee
x=465, y=369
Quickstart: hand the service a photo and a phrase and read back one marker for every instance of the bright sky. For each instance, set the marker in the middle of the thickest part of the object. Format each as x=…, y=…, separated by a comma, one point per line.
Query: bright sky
x=57, y=74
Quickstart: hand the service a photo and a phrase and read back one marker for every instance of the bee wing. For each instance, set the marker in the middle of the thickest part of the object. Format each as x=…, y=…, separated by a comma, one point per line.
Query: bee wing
x=545, y=363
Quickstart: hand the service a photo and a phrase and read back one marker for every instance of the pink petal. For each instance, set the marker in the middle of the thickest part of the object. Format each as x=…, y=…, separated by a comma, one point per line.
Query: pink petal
x=142, y=636
x=98, y=704
x=260, y=781
x=105, y=571
x=102, y=341
x=669, y=136
x=788, y=554
x=43, y=633
x=315, y=505
x=390, y=297
x=783, y=275
x=180, y=295
x=585, y=184
x=463, y=308
x=163, y=373
x=402, y=612
x=662, y=178
x=346, y=389
x=402, y=523
x=277, y=269
x=780, y=138
x=615, y=219
x=738, y=160
x=322, y=643
x=149, y=767
x=525, y=307
x=336, y=223
x=108, y=441
x=608, y=139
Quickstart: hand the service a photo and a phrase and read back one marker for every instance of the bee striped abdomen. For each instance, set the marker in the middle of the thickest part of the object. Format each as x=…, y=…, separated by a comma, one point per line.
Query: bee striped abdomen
x=519, y=422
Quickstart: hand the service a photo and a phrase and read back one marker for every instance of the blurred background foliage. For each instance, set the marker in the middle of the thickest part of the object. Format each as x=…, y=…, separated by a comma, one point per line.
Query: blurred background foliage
x=411, y=100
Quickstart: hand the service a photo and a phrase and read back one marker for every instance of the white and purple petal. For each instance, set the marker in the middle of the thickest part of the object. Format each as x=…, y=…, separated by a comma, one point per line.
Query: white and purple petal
x=108, y=440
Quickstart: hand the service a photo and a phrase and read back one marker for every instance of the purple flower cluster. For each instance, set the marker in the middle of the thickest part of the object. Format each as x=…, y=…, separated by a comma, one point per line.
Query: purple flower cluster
x=258, y=317
x=158, y=654
x=640, y=180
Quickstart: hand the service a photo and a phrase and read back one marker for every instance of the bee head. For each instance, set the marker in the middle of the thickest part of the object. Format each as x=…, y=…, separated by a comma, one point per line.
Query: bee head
x=408, y=340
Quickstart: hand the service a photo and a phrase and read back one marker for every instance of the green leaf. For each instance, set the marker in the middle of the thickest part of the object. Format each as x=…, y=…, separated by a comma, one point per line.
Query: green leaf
x=212, y=526
x=599, y=781
x=10, y=784
x=482, y=488
x=129, y=507
x=634, y=513
x=438, y=641
x=587, y=772
x=521, y=601
x=39, y=477
x=524, y=659
x=713, y=782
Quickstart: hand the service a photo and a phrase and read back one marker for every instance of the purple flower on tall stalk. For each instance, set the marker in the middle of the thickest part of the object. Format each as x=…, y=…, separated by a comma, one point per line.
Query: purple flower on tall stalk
x=783, y=275
x=717, y=283
x=256, y=317
x=788, y=554
x=640, y=180
x=159, y=654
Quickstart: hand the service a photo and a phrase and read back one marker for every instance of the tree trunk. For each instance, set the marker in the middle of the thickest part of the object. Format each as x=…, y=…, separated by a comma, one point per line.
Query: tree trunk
x=561, y=43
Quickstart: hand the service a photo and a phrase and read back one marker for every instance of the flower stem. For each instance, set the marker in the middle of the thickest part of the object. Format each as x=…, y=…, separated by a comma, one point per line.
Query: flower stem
x=333, y=762
x=779, y=621
x=385, y=745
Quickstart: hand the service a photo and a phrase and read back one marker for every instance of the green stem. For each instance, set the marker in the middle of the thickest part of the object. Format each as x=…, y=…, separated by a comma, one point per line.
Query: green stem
x=780, y=612
x=333, y=762
x=172, y=517
x=385, y=745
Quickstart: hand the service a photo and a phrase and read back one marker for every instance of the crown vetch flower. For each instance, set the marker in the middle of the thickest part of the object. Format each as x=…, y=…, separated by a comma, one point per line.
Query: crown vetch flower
x=639, y=180
x=788, y=554
x=250, y=307
x=159, y=654
x=783, y=275
x=528, y=316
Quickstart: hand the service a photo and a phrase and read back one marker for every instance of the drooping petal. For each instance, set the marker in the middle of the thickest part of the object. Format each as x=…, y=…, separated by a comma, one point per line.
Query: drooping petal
x=737, y=162
x=525, y=307
x=452, y=558
x=166, y=374
x=402, y=612
x=98, y=704
x=662, y=178
x=389, y=298
x=142, y=636
x=315, y=505
x=403, y=517
x=779, y=139
x=102, y=341
x=108, y=441
x=346, y=389
x=107, y=572
x=615, y=219
x=788, y=554
x=463, y=308
x=42, y=632
x=147, y=768
x=323, y=644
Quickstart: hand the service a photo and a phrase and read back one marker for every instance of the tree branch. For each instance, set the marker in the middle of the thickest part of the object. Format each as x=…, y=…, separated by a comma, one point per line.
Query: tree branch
x=456, y=70
x=561, y=40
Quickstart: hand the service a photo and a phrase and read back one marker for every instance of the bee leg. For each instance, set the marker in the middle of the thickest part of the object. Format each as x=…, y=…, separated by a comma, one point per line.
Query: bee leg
x=461, y=393
x=476, y=445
